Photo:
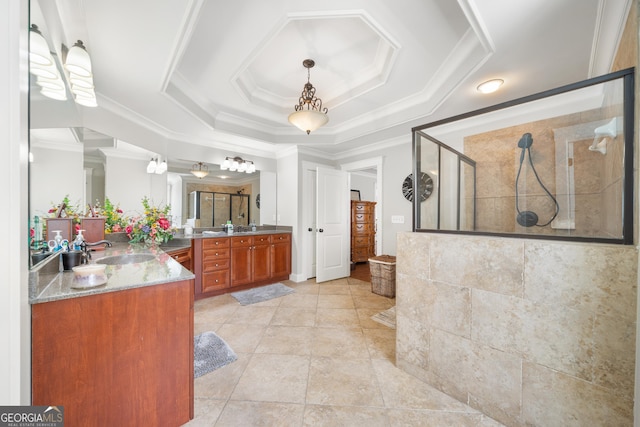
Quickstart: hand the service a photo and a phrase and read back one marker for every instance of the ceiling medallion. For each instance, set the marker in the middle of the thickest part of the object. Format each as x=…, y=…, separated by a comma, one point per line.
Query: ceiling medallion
x=309, y=114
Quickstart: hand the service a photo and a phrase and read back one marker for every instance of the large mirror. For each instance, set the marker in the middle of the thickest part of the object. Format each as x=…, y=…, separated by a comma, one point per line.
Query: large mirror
x=74, y=157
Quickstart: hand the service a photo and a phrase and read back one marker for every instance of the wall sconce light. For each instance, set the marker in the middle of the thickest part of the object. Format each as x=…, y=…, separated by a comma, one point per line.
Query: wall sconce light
x=200, y=170
x=309, y=114
x=234, y=164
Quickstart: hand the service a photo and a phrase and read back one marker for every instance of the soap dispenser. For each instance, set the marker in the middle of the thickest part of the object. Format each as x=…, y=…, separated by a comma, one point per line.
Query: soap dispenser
x=77, y=244
x=229, y=227
x=58, y=239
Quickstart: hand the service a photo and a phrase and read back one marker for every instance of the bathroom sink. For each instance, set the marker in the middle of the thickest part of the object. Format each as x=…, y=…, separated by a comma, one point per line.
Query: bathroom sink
x=125, y=259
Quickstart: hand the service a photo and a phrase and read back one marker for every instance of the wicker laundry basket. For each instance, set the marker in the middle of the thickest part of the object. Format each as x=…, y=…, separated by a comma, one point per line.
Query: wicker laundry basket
x=383, y=275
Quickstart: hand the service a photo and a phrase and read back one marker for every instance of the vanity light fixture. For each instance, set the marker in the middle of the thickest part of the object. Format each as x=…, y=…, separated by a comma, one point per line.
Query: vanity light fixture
x=156, y=166
x=234, y=164
x=162, y=167
x=490, y=86
x=309, y=114
x=200, y=170
x=151, y=167
x=78, y=64
x=43, y=66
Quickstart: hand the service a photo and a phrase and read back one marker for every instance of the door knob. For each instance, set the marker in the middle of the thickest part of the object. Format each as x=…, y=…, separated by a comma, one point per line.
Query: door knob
x=321, y=230
x=310, y=229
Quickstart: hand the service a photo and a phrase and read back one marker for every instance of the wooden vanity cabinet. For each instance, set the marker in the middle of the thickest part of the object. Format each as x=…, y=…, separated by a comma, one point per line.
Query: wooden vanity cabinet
x=183, y=256
x=228, y=264
x=120, y=358
x=280, y=256
x=215, y=264
x=250, y=259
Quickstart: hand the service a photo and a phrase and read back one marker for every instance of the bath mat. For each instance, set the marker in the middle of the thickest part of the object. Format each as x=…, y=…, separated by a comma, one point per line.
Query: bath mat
x=263, y=293
x=387, y=317
x=210, y=353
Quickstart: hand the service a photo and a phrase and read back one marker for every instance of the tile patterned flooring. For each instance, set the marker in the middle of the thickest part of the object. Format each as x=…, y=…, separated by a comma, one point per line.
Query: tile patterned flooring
x=315, y=358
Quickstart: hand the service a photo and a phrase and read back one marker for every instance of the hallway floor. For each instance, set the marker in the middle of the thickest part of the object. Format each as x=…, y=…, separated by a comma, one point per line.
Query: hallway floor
x=315, y=358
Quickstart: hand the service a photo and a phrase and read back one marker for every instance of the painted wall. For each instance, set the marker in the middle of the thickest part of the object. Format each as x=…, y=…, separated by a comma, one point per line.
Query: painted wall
x=128, y=189
x=15, y=312
x=396, y=165
x=51, y=183
x=365, y=184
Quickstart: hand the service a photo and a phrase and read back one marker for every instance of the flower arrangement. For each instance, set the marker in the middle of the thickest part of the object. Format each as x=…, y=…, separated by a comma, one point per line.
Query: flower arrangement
x=114, y=221
x=65, y=210
x=152, y=227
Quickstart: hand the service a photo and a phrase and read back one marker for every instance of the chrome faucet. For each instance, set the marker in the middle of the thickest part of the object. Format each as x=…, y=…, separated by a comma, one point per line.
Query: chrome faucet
x=86, y=252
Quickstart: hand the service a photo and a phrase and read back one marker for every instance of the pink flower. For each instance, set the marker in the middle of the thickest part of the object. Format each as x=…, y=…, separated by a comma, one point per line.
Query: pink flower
x=163, y=223
x=128, y=229
x=116, y=228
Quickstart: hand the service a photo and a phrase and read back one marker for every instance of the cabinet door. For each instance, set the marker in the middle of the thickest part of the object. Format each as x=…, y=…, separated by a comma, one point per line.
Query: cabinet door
x=241, y=260
x=281, y=255
x=261, y=262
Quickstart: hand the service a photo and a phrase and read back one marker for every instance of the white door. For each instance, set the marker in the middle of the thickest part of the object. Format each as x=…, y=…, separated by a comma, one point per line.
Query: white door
x=333, y=244
x=310, y=226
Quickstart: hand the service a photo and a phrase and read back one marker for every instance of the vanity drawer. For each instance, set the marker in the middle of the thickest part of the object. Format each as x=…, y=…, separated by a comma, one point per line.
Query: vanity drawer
x=210, y=243
x=280, y=238
x=214, y=254
x=215, y=264
x=262, y=240
x=215, y=280
x=240, y=242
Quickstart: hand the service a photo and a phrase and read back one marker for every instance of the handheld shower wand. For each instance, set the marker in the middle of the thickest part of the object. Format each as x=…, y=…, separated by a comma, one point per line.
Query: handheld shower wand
x=530, y=218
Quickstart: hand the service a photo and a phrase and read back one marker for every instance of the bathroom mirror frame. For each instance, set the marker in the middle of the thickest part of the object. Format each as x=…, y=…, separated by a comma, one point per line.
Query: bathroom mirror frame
x=580, y=114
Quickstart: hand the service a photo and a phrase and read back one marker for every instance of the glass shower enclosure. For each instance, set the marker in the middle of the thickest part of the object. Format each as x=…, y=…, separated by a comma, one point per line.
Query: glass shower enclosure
x=213, y=209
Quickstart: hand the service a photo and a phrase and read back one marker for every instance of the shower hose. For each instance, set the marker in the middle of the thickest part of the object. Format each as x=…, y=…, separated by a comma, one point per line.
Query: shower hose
x=525, y=214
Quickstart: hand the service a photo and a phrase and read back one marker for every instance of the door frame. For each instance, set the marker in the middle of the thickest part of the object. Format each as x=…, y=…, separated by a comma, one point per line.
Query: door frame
x=359, y=165
x=308, y=215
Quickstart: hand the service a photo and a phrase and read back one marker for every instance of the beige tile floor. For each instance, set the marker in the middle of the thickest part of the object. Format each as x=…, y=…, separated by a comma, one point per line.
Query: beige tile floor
x=315, y=358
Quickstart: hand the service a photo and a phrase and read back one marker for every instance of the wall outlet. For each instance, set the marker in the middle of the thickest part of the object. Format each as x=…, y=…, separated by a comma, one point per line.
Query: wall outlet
x=397, y=219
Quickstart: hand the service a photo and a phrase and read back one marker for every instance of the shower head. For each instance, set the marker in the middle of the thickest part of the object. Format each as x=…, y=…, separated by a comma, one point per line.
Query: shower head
x=526, y=141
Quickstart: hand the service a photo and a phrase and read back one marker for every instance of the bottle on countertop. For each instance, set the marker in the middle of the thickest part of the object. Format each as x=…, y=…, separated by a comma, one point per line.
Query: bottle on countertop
x=253, y=226
x=229, y=227
x=77, y=244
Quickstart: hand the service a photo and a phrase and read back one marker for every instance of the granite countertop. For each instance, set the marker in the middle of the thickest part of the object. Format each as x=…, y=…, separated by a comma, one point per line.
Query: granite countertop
x=47, y=284
x=206, y=233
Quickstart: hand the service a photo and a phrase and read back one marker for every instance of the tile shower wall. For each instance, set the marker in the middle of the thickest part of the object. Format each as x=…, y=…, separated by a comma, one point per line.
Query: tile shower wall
x=597, y=178
x=531, y=333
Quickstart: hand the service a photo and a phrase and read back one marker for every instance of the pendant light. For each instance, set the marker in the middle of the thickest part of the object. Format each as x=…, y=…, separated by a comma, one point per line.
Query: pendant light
x=309, y=114
x=200, y=170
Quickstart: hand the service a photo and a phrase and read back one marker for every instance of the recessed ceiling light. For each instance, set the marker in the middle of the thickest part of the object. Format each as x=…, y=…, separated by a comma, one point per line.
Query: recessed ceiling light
x=490, y=85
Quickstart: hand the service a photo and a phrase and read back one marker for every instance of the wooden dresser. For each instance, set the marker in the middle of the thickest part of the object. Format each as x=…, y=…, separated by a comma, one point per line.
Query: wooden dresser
x=363, y=230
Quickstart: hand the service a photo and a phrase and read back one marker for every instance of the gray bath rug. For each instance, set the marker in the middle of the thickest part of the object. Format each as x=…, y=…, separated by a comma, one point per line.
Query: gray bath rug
x=210, y=353
x=263, y=293
x=387, y=317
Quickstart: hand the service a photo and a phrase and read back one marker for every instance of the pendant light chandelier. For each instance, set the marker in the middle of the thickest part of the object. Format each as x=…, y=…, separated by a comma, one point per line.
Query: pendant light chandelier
x=309, y=114
x=200, y=170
